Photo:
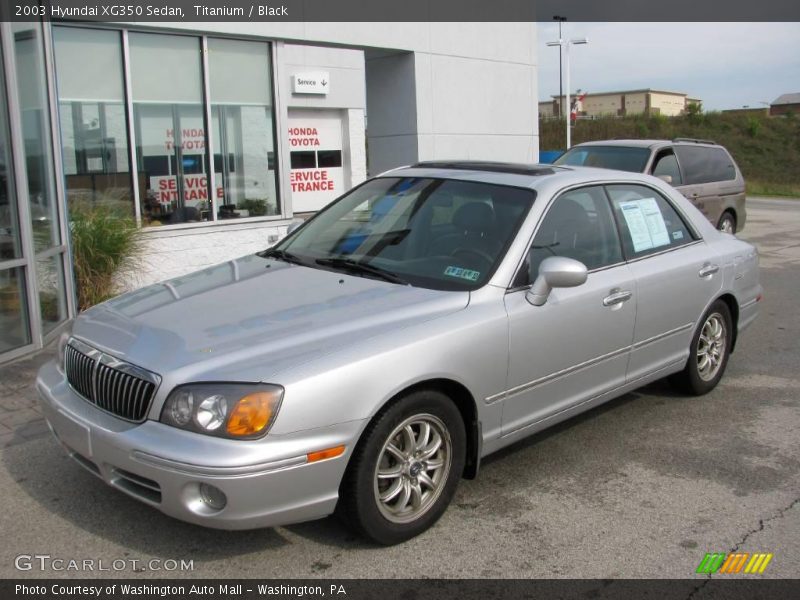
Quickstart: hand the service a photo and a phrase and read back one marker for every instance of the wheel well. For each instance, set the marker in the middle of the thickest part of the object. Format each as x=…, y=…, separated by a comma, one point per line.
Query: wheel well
x=733, y=307
x=731, y=212
x=465, y=403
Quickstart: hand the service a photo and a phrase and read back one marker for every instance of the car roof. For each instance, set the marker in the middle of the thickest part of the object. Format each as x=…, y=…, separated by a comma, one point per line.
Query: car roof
x=527, y=175
x=634, y=143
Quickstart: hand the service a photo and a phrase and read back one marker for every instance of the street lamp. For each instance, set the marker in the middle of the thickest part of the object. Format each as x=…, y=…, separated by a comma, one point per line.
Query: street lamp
x=566, y=44
x=560, y=68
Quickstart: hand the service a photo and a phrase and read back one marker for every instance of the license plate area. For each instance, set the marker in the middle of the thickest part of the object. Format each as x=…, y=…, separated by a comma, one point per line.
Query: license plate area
x=74, y=435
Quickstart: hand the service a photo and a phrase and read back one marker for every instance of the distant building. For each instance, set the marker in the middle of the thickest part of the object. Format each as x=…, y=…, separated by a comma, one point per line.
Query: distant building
x=631, y=102
x=785, y=104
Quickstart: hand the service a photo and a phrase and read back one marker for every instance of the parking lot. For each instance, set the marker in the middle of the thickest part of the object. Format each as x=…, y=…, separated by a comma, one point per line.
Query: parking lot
x=644, y=486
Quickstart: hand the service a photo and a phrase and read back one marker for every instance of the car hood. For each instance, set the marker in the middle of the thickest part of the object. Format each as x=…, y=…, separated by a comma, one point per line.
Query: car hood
x=250, y=318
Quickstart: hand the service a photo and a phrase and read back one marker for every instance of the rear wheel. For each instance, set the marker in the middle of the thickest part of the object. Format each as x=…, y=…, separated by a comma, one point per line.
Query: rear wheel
x=405, y=469
x=727, y=223
x=709, y=351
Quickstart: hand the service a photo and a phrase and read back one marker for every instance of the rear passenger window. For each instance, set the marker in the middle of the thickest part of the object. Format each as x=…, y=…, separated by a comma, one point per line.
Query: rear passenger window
x=704, y=164
x=647, y=222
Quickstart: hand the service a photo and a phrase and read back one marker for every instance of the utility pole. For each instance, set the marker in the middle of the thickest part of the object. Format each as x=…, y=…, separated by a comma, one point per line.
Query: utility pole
x=560, y=68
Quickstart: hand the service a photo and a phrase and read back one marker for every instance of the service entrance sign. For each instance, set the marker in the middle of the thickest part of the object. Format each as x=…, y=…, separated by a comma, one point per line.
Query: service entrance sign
x=317, y=170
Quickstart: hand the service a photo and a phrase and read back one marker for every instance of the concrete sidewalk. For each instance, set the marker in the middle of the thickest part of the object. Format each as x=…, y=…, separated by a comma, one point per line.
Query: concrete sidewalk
x=20, y=417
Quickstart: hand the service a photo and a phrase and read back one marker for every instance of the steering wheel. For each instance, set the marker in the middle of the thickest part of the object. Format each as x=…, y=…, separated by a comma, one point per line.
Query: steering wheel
x=473, y=252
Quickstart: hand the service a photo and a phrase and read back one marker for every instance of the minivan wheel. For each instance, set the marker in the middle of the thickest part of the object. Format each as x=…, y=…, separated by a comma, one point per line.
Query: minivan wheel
x=405, y=469
x=709, y=352
x=727, y=223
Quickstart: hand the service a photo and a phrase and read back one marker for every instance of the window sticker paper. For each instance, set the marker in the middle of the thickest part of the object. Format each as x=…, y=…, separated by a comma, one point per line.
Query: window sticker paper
x=645, y=223
x=462, y=273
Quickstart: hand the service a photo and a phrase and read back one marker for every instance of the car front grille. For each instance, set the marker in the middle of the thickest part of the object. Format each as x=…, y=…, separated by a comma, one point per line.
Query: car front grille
x=114, y=386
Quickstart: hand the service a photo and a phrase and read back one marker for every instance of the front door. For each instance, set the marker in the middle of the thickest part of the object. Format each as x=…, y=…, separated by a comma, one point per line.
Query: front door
x=575, y=346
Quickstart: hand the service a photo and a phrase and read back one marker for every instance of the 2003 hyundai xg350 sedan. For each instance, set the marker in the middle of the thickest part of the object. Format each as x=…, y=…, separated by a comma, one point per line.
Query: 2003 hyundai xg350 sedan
x=368, y=361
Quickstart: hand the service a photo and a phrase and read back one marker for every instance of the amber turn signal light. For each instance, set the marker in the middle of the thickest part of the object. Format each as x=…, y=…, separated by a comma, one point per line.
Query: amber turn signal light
x=251, y=414
x=323, y=454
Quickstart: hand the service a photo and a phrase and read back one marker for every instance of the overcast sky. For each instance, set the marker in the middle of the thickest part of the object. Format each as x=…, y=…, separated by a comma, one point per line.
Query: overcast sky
x=726, y=65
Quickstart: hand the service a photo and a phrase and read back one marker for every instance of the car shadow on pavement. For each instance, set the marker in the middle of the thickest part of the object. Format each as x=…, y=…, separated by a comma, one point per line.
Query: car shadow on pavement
x=61, y=487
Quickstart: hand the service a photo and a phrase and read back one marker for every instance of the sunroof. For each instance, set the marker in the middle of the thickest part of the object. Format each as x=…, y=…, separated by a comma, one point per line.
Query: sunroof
x=494, y=167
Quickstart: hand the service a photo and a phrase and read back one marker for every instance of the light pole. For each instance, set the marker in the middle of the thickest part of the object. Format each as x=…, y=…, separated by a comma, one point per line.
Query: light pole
x=566, y=44
x=560, y=68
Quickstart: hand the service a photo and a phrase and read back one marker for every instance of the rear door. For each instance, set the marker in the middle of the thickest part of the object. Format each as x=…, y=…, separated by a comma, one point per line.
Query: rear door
x=710, y=177
x=676, y=276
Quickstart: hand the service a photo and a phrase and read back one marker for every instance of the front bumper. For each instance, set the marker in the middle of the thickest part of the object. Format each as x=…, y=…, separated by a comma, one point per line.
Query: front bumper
x=266, y=482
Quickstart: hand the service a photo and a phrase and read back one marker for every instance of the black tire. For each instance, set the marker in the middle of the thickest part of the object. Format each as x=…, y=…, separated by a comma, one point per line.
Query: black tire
x=359, y=503
x=693, y=379
x=727, y=222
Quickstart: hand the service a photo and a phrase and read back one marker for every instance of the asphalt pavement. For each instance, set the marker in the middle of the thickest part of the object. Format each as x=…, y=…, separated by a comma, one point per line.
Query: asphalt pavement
x=641, y=487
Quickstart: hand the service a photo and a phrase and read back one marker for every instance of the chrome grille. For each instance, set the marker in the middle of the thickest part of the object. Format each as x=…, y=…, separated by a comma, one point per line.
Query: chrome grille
x=112, y=385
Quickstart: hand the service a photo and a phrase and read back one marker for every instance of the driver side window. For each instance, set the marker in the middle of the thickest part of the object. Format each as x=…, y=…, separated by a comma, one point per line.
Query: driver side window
x=667, y=164
x=578, y=225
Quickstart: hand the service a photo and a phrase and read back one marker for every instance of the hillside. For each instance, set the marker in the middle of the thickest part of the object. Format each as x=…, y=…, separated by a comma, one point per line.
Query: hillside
x=767, y=149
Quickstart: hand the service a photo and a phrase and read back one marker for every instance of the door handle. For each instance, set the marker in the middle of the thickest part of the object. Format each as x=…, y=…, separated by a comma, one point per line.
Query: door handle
x=707, y=270
x=617, y=296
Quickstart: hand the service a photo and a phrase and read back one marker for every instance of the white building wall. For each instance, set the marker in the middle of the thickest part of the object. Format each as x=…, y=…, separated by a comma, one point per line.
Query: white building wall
x=473, y=95
x=172, y=252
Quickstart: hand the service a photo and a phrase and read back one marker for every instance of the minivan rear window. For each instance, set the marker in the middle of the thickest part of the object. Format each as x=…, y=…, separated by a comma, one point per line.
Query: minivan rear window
x=704, y=164
x=606, y=157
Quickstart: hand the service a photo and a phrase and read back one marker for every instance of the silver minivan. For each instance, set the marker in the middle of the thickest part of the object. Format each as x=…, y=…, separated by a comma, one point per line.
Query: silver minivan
x=701, y=170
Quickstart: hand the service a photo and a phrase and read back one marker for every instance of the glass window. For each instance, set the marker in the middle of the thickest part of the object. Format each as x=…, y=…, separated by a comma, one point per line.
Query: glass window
x=577, y=225
x=32, y=95
x=303, y=159
x=241, y=108
x=9, y=218
x=92, y=112
x=14, y=326
x=647, y=221
x=387, y=226
x=606, y=157
x=170, y=132
x=329, y=158
x=667, y=165
x=50, y=283
x=704, y=164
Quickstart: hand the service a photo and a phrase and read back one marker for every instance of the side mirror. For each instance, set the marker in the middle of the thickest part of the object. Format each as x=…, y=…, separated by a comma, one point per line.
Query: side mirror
x=665, y=178
x=294, y=225
x=554, y=272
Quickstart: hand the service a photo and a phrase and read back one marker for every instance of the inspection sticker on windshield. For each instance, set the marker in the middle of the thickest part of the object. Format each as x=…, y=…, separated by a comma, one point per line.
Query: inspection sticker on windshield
x=645, y=223
x=462, y=273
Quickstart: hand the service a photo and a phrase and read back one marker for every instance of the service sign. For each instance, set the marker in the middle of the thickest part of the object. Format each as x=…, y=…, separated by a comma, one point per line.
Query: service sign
x=315, y=143
x=316, y=82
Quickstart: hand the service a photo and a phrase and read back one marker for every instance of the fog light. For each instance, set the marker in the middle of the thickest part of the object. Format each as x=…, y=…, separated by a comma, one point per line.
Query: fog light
x=213, y=497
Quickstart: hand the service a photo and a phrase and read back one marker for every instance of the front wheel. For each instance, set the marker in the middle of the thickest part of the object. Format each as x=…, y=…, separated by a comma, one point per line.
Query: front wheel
x=709, y=352
x=405, y=469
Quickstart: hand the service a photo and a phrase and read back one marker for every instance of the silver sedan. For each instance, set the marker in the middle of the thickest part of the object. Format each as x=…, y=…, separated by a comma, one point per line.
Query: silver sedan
x=373, y=357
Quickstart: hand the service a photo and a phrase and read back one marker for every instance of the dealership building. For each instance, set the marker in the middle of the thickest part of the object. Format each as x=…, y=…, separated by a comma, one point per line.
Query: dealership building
x=216, y=135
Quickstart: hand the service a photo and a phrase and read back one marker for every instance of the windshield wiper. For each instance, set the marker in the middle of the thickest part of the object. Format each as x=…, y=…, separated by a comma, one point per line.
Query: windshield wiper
x=353, y=266
x=281, y=255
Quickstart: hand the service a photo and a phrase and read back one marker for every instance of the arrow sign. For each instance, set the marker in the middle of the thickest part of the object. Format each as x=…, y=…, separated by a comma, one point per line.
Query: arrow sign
x=310, y=82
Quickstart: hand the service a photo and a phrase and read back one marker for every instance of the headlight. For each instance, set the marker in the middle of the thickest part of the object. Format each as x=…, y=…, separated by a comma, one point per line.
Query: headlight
x=229, y=410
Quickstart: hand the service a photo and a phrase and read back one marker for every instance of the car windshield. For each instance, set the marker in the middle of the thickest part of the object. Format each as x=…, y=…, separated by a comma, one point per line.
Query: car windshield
x=606, y=157
x=434, y=233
